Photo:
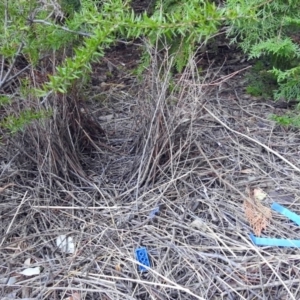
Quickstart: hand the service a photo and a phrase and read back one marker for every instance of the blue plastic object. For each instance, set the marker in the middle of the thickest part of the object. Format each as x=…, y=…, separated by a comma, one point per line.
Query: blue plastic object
x=142, y=257
x=279, y=242
x=154, y=212
x=286, y=212
x=274, y=242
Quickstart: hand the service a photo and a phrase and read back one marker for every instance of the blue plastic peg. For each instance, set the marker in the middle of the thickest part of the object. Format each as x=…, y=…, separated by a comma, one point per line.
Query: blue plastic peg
x=142, y=257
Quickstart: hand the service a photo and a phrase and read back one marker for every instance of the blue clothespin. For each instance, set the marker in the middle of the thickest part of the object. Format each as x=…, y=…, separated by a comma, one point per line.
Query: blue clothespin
x=279, y=242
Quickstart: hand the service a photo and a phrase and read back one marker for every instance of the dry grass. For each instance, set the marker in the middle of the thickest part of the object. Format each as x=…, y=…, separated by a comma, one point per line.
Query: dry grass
x=193, y=153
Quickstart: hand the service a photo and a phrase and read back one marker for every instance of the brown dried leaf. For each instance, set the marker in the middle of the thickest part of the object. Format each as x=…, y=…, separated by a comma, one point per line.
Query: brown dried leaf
x=118, y=267
x=258, y=216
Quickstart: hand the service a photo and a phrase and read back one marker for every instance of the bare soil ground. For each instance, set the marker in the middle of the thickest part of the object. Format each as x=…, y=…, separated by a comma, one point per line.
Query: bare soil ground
x=192, y=154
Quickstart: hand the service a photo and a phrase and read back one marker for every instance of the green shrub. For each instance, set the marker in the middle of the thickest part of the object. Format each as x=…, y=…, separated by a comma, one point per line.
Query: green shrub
x=69, y=7
x=260, y=81
x=15, y=123
x=287, y=120
x=31, y=29
x=271, y=34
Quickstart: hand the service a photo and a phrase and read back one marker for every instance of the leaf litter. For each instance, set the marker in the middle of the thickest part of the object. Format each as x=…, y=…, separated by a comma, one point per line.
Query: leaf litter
x=155, y=159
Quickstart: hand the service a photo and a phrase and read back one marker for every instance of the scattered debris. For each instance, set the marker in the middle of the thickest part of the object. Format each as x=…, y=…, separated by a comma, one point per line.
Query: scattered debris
x=161, y=164
x=118, y=267
x=31, y=271
x=65, y=244
x=199, y=224
x=154, y=212
x=27, y=262
x=257, y=214
x=259, y=194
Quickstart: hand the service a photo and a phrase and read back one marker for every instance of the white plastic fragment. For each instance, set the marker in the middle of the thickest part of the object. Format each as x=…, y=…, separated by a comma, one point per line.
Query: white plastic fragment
x=11, y=281
x=31, y=271
x=8, y=281
x=259, y=194
x=27, y=262
x=65, y=243
x=199, y=224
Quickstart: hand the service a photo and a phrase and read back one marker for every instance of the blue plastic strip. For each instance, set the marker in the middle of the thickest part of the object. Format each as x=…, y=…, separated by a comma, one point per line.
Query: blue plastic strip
x=279, y=242
x=286, y=212
x=142, y=257
x=274, y=242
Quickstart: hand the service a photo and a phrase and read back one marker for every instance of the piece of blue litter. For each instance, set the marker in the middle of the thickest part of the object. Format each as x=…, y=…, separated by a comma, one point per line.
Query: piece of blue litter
x=274, y=242
x=142, y=257
x=279, y=242
x=154, y=212
x=286, y=212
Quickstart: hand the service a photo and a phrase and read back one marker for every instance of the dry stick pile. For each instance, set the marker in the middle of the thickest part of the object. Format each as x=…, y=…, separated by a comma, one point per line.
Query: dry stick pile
x=192, y=154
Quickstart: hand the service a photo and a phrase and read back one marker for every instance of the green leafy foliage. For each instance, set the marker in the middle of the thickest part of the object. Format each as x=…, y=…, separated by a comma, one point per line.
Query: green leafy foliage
x=281, y=52
x=260, y=81
x=266, y=20
x=203, y=18
x=89, y=27
x=272, y=34
x=70, y=6
x=84, y=29
x=189, y=22
x=287, y=120
x=16, y=123
x=4, y=100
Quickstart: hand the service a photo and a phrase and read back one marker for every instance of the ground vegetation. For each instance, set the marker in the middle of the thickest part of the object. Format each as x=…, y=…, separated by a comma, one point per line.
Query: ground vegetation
x=148, y=124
